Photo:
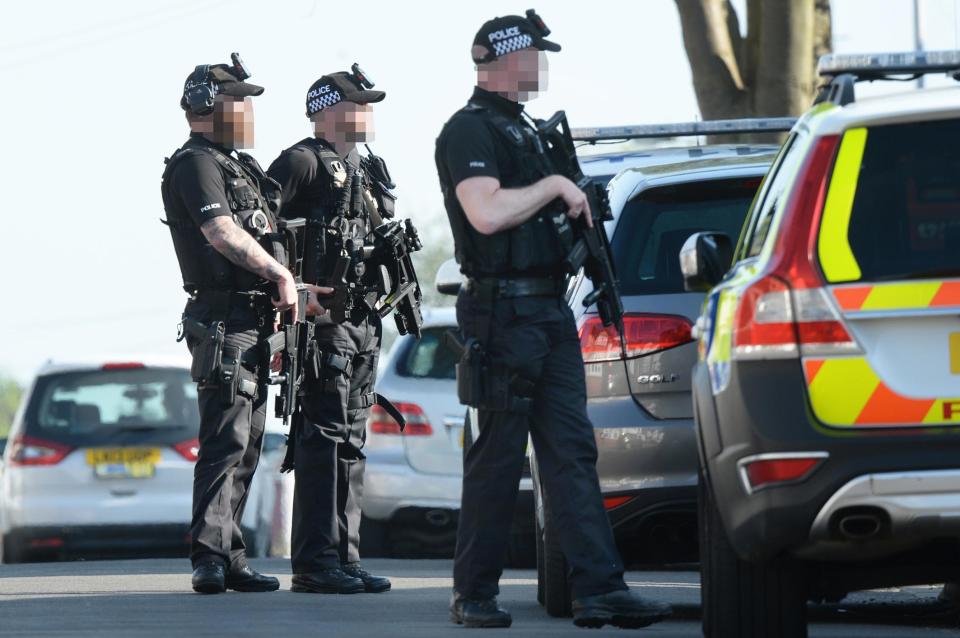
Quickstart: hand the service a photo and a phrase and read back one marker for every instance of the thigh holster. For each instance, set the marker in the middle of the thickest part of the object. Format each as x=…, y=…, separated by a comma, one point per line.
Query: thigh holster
x=327, y=367
x=486, y=385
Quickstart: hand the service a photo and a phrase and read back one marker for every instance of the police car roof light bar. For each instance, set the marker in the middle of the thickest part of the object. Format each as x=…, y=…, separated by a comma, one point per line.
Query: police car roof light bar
x=878, y=66
x=687, y=129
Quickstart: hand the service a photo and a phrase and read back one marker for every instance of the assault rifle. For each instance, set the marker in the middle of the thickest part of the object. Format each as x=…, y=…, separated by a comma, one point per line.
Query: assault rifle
x=393, y=243
x=591, y=246
x=293, y=339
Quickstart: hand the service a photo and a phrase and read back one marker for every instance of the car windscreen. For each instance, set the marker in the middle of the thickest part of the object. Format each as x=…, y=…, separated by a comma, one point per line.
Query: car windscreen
x=428, y=357
x=654, y=225
x=905, y=220
x=114, y=406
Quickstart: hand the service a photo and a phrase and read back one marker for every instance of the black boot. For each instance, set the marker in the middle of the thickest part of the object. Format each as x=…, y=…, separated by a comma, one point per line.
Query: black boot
x=479, y=613
x=371, y=584
x=245, y=579
x=327, y=581
x=621, y=608
x=208, y=578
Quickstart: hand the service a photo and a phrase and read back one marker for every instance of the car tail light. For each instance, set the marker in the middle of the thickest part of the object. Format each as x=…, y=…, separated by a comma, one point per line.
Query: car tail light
x=611, y=502
x=53, y=542
x=643, y=334
x=787, y=312
x=417, y=423
x=189, y=450
x=122, y=365
x=28, y=450
x=768, y=470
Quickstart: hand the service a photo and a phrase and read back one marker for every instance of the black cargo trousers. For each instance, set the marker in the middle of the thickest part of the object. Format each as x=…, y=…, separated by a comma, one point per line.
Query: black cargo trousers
x=536, y=337
x=328, y=458
x=231, y=437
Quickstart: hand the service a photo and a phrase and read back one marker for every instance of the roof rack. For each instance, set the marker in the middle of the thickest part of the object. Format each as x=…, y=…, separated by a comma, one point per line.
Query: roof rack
x=845, y=70
x=712, y=127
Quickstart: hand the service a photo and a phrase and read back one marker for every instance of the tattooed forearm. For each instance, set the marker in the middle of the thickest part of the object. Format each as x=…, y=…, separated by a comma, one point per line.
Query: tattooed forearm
x=240, y=248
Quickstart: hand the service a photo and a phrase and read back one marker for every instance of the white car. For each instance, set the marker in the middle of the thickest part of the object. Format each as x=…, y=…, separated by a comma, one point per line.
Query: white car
x=411, y=494
x=99, y=463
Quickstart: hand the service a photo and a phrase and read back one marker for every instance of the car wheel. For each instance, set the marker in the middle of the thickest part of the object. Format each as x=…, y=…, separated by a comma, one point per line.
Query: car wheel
x=373, y=538
x=556, y=592
x=541, y=598
x=10, y=552
x=741, y=598
x=467, y=433
x=253, y=540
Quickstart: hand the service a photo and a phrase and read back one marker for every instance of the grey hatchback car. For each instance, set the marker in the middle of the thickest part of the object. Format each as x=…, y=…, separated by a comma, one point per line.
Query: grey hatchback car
x=641, y=407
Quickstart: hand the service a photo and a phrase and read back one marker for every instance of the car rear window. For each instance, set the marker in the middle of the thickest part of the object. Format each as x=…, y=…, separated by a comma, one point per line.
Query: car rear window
x=428, y=358
x=653, y=227
x=117, y=406
x=905, y=221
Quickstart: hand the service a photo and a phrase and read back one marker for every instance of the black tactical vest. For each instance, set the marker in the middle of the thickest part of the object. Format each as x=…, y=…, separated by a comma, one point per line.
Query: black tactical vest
x=535, y=247
x=254, y=200
x=342, y=206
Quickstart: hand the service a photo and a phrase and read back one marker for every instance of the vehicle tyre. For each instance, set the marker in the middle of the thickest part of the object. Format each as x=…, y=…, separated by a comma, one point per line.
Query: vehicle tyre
x=373, y=538
x=10, y=552
x=741, y=598
x=261, y=540
x=556, y=581
x=251, y=539
x=520, y=550
x=541, y=598
x=467, y=433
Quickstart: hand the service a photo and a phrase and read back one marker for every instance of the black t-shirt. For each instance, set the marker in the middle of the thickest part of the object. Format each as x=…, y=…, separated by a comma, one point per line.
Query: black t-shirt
x=470, y=147
x=196, y=189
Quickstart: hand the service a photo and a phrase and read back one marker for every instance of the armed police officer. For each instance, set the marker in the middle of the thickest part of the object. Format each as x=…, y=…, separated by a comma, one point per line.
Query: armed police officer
x=220, y=209
x=346, y=199
x=508, y=210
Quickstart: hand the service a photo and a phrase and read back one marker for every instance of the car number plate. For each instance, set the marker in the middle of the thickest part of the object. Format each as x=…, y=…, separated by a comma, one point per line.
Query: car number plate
x=127, y=462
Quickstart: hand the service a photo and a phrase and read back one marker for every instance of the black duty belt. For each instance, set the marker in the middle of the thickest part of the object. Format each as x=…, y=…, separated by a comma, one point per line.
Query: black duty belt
x=257, y=301
x=486, y=289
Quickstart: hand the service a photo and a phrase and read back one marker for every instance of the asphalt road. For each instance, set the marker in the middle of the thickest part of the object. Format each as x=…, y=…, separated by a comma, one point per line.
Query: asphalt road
x=152, y=598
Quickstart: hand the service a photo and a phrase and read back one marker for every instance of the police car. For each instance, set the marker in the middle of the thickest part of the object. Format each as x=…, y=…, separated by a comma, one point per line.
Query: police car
x=827, y=391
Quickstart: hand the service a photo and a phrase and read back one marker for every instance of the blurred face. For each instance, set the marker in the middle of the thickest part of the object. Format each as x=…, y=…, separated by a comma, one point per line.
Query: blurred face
x=233, y=122
x=345, y=123
x=519, y=76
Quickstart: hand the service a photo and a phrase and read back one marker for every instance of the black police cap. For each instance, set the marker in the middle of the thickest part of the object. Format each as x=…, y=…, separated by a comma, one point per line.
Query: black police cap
x=342, y=86
x=225, y=78
x=507, y=34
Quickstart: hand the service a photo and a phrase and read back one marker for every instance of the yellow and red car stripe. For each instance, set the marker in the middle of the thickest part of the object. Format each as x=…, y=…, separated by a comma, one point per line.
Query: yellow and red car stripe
x=846, y=392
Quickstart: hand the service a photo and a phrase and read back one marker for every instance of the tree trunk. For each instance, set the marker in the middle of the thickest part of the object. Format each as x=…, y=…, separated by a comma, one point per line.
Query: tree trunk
x=784, y=84
x=711, y=38
x=770, y=72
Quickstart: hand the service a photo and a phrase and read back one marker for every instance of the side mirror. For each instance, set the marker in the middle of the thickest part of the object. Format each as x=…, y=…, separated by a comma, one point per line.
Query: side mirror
x=449, y=278
x=704, y=260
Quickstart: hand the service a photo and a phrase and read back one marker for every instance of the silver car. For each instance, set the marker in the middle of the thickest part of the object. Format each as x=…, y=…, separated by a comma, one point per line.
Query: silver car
x=411, y=496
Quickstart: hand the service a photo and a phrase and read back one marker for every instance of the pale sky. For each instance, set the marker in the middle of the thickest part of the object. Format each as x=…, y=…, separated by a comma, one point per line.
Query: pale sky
x=91, y=109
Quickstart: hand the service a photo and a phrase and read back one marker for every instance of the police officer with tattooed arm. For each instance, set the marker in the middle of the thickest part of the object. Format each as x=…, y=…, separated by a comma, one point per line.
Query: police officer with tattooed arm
x=220, y=209
x=353, y=246
x=509, y=211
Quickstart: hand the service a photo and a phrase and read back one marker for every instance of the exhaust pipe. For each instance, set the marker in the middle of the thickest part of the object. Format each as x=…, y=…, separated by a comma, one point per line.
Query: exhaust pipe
x=861, y=524
x=437, y=517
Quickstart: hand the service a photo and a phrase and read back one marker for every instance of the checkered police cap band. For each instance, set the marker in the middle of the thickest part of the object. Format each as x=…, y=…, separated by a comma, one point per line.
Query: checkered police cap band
x=510, y=45
x=321, y=98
